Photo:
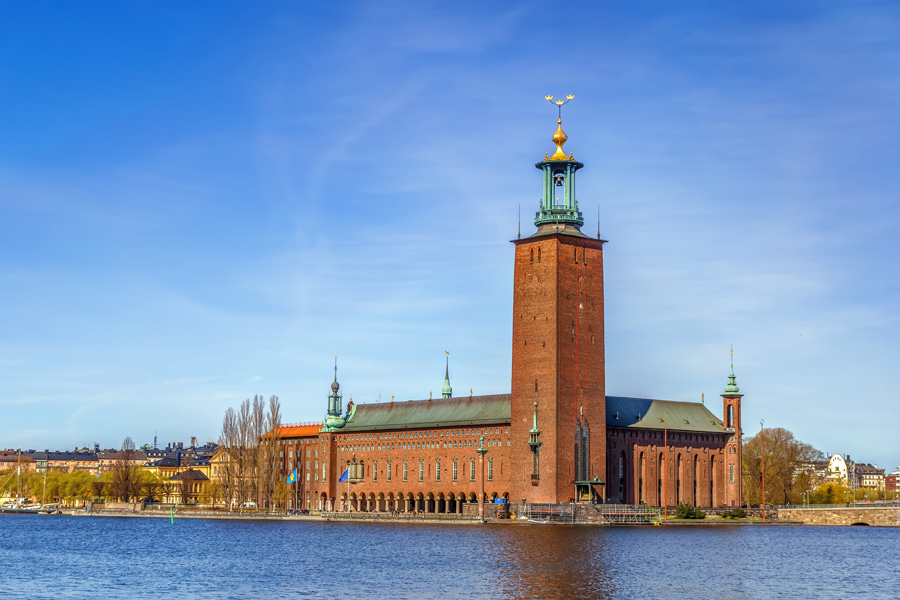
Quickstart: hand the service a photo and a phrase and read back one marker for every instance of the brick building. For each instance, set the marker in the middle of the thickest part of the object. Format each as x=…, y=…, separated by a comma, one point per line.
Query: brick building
x=557, y=437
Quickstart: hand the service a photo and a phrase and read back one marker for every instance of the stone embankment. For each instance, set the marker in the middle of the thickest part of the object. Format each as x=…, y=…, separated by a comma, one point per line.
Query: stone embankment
x=880, y=516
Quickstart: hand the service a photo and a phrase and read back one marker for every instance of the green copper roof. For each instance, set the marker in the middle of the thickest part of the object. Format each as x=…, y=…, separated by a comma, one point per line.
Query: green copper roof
x=496, y=409
x=442, y=412
x=732, y=387
x=644, y=413
x=447, y=391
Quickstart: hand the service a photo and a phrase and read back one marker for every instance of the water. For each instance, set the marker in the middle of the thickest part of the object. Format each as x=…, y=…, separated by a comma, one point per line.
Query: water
x=125, y=558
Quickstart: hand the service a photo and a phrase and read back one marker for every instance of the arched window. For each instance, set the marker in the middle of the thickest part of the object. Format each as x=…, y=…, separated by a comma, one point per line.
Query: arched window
x=694, y=477
x=471, y=469
x=640, y=490
x=678, y=479
x=660, y=473
x=539, y=255
x=730, y=415
x=437, y=469
x=531, y=260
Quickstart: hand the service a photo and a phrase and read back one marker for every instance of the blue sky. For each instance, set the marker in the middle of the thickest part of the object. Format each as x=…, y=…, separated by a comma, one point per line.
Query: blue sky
x=202, y=202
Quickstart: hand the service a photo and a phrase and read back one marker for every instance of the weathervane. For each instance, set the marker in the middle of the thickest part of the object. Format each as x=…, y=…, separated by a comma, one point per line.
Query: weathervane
x=559, y=103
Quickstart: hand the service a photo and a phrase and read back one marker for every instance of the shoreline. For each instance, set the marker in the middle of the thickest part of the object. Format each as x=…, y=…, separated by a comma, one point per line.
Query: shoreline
x=419, y=521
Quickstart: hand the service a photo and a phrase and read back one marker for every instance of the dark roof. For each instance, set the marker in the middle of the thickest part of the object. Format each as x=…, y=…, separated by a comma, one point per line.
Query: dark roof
x=121, y=455
x=71, y=456
x=644, y=413
x=440, y=412
x=868, y=469
x=189, y=475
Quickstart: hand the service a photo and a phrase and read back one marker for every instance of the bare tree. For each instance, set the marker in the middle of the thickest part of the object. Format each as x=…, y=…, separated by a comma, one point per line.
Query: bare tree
x=228, y=458
x=126, y=477
x=269, y=443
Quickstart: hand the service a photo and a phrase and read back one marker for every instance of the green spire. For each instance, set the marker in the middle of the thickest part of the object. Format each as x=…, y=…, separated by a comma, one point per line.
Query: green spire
x=334, y=421
x=732, y=388
x=447, y=391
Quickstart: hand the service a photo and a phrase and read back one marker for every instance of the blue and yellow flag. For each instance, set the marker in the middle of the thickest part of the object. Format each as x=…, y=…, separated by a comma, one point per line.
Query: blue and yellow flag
x=292, y=477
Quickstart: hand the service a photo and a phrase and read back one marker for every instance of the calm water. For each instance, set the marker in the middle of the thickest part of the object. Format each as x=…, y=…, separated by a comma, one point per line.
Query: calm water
x=79, y=557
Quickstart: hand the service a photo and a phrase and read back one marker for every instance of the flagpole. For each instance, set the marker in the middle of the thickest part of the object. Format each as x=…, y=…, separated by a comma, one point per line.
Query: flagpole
x=666, y=464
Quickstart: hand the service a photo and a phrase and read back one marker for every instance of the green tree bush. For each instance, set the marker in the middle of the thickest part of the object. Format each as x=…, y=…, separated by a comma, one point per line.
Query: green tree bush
x=686, y=510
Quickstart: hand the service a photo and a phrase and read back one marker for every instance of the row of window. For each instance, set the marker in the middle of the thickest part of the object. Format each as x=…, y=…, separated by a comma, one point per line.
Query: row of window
x=437, y=470
x=492, y=443
x=424, y=434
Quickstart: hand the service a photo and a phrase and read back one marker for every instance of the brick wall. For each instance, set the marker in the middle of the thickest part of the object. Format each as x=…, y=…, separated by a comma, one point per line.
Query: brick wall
x=558, y=362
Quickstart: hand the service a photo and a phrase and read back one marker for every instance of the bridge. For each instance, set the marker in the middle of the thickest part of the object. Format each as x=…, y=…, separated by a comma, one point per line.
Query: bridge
x=880, y=516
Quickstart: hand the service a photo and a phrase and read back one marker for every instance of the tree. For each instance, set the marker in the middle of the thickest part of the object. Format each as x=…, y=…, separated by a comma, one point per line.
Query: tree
x=212, y=494
x=126, y=480
x=151, y=487
x=785, y=457
x=248, y=463
x=282, y=493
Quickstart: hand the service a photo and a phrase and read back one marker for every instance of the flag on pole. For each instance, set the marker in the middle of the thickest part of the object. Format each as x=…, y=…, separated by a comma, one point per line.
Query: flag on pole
x=292, y=477
x=344, y=476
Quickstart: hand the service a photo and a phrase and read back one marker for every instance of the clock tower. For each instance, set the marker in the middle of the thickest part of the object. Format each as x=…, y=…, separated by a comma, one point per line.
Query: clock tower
x=558, y=420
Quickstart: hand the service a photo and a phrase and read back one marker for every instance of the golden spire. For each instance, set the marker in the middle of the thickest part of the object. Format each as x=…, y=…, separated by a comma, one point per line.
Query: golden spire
x=559, y=138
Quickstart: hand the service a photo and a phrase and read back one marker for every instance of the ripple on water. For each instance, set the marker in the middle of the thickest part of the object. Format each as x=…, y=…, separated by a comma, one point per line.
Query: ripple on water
x=77, y=557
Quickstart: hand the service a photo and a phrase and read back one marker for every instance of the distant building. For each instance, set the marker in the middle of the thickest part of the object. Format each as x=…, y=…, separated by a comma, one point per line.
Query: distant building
x=186, y=487
x=840, y=470
x=870, y=476
x=890, y=481
x=11, y=460
x=175, y=458
x=65, y=461
x=107, y=460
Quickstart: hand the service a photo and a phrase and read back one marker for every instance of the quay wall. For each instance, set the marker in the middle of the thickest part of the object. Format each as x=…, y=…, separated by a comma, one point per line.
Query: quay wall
x=874, y=516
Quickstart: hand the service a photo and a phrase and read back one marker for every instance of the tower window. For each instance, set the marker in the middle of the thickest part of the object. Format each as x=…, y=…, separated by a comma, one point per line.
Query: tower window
x=532, y=256
x=539, y=255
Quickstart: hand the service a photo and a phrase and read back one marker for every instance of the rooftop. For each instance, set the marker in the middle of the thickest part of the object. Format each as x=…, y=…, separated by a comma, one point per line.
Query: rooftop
x=439, y=412
x=645, y=413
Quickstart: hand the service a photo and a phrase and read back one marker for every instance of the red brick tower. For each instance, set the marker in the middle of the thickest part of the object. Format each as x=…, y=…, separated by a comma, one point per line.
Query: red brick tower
x=558, y=425
x=731, y=406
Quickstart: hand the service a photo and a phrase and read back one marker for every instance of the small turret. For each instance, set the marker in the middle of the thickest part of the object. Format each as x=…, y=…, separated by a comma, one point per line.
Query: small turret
x=447, y=391
x=334, y=420
x=732, y=389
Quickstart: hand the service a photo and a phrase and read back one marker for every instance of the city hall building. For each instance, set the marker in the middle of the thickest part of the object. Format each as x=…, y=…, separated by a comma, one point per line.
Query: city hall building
x=555, y=438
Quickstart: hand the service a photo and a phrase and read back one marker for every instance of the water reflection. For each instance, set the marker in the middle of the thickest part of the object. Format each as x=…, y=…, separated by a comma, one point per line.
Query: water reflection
x=553, y=561
x=85, y=558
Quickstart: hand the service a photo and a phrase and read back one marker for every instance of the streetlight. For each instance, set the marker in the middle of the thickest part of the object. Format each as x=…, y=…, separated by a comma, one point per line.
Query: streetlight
x=481, y=450
x=805, y=496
